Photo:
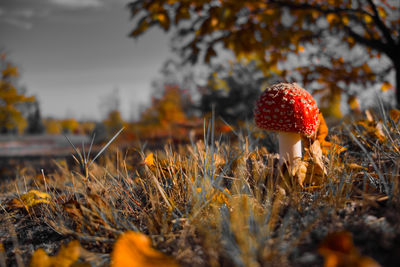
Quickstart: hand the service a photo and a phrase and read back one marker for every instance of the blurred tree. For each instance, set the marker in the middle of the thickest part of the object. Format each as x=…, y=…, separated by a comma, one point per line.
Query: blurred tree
x=110, y=109
x=87, y=127
x=52, y=126
x=11, y=118
x=225, y=91
x=35, y=123
x=100, y=133
x=177, y=78
x=109, y=103
x=167, y=109
x=328, y=34
x=113, y=122
x=69, y=126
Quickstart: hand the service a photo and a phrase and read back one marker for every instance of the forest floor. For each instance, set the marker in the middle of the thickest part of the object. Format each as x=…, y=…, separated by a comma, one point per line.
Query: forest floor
x=214, y=203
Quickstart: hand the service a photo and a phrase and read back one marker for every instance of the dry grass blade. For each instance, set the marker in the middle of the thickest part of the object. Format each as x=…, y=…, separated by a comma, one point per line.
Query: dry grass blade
x=105, y=146
x=76, y=151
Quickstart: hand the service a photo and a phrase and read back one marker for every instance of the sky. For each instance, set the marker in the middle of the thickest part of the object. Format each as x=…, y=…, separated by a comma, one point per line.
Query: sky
x=73, y=54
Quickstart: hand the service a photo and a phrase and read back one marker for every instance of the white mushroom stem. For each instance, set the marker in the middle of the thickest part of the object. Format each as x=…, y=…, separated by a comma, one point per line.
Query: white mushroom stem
x=289, y=147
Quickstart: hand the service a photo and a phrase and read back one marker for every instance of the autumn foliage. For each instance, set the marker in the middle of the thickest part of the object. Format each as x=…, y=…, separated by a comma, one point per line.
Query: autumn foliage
x=11, y=117
x=342, y=43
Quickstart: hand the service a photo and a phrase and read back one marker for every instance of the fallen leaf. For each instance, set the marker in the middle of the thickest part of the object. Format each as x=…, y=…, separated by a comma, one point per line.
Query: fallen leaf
x=134, y=249
x=354, y=104
x=338, y=250
x=66, y=257
x=326, y=146
x=221, y=197
x=30, y=199
x=149, y=160
x=394, y=115
x=299, y=170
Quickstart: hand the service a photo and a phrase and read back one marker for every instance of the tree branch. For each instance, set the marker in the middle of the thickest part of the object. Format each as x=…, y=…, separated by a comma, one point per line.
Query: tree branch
x=373, y=43
x=381, y=25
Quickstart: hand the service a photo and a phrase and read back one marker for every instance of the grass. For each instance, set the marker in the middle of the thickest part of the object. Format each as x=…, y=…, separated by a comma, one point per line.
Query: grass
x=217, y=202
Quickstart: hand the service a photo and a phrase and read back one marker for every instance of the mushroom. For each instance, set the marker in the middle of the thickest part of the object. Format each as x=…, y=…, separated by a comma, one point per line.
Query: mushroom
x=292, y=112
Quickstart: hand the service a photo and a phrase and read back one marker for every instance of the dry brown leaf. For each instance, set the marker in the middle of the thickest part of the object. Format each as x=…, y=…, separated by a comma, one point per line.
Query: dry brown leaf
x=394, y=115
x=134, y=249
x=338, y=250
x=354, y=104
x=299, y=170
x=310, y=172
x=373, y=129
x=66, y=257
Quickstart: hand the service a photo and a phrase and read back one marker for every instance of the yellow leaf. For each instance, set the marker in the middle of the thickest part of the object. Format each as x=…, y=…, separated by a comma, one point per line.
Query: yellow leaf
x=30, y=199
x=381, y=11
x=220, y=197
x=367, y=18
x=67, y=256
x=386, y=86
x=134, y=249
x=149, y=160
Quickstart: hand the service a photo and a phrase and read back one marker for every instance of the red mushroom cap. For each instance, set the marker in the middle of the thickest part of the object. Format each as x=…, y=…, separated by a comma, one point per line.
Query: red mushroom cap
x=286, y=107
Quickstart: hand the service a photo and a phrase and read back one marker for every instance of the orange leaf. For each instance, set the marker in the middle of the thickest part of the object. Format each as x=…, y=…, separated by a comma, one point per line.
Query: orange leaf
x=394, y=115
x=134, y=249
x=149, y=160
x=331, y=17
x=338, y=250
x=66, y=256
x=386, y=86
x=326, y=146
x=354, y=104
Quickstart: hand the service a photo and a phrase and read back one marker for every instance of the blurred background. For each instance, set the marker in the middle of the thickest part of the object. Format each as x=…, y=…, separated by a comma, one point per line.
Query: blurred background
x=158, y=68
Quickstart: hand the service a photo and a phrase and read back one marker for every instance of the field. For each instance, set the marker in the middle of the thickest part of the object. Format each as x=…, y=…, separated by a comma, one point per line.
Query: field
x=215, y=201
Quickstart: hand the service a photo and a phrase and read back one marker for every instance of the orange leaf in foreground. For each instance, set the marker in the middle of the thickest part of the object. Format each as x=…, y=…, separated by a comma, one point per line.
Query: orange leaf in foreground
x=134, y=250
x=338, y=250
x=67, y=256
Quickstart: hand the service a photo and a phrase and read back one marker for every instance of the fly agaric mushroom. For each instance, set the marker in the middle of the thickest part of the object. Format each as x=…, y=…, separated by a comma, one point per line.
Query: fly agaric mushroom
x=292, y=112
